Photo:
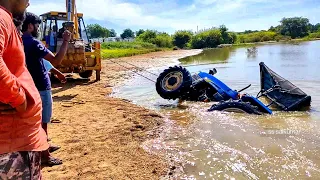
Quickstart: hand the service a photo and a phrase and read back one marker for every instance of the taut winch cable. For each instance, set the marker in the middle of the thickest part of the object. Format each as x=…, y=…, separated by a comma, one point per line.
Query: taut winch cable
x=133, y=71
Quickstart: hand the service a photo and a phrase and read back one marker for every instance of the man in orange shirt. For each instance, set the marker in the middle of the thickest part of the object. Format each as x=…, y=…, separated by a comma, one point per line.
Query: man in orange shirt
x=21, y=136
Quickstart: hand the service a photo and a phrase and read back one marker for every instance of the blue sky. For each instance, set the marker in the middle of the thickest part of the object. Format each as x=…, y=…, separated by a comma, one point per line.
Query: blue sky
x=172, y=15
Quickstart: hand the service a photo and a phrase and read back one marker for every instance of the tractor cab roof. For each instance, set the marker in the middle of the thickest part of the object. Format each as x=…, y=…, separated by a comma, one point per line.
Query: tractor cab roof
x=57, y=15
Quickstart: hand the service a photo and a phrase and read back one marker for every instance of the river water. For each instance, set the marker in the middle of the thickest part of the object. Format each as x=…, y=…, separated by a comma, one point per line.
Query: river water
x=224, y=145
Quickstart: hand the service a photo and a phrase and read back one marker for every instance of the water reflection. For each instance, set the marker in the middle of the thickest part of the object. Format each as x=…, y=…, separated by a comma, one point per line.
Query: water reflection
x=290, y=52
x=252, y=56
x=220, y=55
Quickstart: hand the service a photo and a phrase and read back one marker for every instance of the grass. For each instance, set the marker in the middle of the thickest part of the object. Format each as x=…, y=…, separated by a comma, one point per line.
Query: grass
x=125, y=49
x=128, y=45
x=116, y=53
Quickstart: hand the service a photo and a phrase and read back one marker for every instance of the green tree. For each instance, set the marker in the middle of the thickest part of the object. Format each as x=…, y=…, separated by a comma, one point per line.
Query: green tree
x=182, y=38
x=233, y=38
x=225, y=36
x=139, y=32
x=249, y=31
x=273, y=29
x=317, y=27
x=113, y=33
x=127, y=33
x=314, y=28
x=294, y=27
x=97, y=31
x=157, y=38
x=148, y=36
x=163, y=40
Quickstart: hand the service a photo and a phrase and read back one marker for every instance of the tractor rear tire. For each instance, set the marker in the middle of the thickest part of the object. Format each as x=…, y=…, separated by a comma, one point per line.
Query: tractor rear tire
x=86, y=74
x=174, y=82
x=235, y=106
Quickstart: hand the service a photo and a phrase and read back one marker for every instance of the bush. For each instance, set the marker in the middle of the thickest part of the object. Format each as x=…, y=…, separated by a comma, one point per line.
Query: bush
x=240, y=39
x=314, y=35
x=280, y=37
x=207, y=39
x=175, y=48
x=147, y=36
x=189, y=45
x=163, y=40
x=232, y=37
x=154, y=37
x=257, y=37
x=266, y=38
x=182, y=38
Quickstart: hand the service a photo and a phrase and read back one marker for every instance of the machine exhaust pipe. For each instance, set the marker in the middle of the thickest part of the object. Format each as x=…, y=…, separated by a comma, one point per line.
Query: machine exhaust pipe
x=69, y=10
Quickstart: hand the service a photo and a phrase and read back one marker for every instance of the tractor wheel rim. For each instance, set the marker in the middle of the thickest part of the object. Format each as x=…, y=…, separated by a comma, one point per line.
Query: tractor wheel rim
x=172, y=81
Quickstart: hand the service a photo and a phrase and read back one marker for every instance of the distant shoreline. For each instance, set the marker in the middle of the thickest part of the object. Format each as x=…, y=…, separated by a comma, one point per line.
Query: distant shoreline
x=119, y=52
x=268, y=42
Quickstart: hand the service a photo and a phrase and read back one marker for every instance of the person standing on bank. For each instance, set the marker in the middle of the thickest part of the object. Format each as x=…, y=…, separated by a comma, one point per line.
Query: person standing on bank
x=35, y=52
x=21, y=136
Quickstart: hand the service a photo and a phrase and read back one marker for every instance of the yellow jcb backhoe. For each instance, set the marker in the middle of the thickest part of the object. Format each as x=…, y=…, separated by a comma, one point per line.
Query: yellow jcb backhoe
x=82, y=57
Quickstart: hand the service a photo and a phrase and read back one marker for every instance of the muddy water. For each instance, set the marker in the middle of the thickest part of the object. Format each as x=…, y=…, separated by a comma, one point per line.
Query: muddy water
x=224, y=145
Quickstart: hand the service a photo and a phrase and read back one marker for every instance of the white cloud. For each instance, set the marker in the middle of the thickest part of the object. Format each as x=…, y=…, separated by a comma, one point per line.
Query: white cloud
x=40, y=8
x=227, y=8
x=168, y=14
x=117, y=12
x=205, y=2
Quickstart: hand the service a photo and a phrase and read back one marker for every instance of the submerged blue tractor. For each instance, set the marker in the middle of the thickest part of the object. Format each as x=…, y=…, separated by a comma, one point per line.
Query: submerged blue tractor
x=177, y=83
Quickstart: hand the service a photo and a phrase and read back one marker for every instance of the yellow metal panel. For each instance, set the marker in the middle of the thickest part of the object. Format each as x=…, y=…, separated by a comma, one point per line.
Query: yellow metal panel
x=53, y=13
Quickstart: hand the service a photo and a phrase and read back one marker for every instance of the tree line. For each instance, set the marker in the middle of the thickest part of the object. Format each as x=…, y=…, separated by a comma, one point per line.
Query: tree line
x=97, y=31
x=289, y=28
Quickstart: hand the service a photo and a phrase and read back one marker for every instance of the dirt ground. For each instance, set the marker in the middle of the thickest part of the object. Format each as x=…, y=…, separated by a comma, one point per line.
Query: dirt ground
x=101, y=136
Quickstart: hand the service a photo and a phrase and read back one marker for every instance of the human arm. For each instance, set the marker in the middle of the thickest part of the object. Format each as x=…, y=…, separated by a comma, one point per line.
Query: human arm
x=56, y=60
x=54, y=71
x=11, y=91
x=59, y=74
x=12, y=95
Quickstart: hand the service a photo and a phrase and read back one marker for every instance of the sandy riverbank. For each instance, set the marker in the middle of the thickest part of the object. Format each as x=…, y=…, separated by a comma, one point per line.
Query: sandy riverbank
x=101, y=136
